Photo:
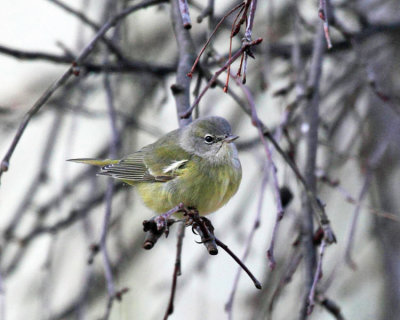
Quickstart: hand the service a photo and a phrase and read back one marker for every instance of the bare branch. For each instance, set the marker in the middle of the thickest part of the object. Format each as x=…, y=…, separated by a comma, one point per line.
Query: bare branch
x=217, y=73
x=127, y=65
x=177, y=269
x=5, y=163
x=350, y=238
x=181, y=89
x=40, y=177
x=249, y=242
x=258, y=124
x=184, y=9
x=257, y=283
x=110, y=45
x=323, y=14
x=331, y=306
x=317, y=276
x=312, y=119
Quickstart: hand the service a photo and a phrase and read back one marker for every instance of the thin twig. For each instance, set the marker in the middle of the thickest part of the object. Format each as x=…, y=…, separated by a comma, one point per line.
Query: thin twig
x=257, y=123
x=208, y=11
x=314, y=200
x=196, y=91
x=110, y=188
x=312, y=119
x=74, y=216
x=296, y=55
x=242, y=104
x=293, y=264
x=5, y=163
x=217, y=73
x=352, y=200
x=46, y=281
x=184, y=9
x=350, y=239
x=112, y=294
x=177, y=269
x=234, y=31
x=247, y=36
x=257, y=283
x=317, y=276
x=39, y=227
x=125, y=66
x=250, y=20
x=249, y=241
x=373, y=84
x=190, y=73
x=82, y=17
x=330, y=306
x=41, y=176
x=323, y=14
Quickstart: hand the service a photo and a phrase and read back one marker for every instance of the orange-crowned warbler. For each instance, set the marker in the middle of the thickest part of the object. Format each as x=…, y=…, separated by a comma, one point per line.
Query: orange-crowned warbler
x=196, y=165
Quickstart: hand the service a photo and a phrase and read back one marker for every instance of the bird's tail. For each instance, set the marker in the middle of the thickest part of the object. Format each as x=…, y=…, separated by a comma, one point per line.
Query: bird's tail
x=94, y=162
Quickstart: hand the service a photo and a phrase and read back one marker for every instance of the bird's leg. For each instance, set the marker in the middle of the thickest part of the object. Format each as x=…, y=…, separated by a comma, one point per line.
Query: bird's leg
x=190, y=215
x=159, y=225
x=162, y=219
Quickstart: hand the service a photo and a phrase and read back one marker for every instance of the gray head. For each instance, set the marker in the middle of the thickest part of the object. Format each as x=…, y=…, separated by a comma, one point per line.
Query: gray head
x=208, y=137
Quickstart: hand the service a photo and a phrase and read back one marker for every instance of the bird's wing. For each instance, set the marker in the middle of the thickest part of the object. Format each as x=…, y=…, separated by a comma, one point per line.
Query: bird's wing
x=159, y=162
x=133, y=169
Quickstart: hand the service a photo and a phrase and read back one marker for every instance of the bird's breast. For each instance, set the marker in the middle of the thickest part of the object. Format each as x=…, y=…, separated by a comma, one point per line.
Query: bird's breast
x=201, y=184
x=207, y=186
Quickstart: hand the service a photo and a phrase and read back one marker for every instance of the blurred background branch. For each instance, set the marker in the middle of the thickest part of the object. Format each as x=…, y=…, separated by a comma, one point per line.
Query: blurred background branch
x=318, y=118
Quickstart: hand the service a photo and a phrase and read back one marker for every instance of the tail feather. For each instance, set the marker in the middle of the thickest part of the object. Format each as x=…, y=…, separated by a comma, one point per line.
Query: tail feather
x=94, y=162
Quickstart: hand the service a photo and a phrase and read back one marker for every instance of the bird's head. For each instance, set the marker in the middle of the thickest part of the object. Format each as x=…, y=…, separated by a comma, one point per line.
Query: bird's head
x=210, y=138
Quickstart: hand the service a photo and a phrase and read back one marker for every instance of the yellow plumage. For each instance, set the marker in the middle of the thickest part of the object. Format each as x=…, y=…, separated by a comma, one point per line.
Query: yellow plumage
x=196, y=165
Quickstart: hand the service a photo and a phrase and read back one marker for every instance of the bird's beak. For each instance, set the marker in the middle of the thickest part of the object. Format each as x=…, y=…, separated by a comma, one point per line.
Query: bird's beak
x=231, y=138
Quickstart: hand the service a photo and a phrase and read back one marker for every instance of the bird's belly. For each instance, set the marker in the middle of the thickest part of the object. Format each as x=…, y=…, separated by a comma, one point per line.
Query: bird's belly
x=206, y=192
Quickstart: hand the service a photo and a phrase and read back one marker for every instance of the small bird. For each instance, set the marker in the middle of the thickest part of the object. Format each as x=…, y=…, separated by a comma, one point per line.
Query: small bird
x=197, y=166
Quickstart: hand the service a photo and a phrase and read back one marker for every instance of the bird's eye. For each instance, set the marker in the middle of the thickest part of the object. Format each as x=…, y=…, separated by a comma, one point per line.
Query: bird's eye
x=208, y=139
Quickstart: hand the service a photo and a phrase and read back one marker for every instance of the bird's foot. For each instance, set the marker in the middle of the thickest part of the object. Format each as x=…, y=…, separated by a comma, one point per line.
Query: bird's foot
x=204, y=228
